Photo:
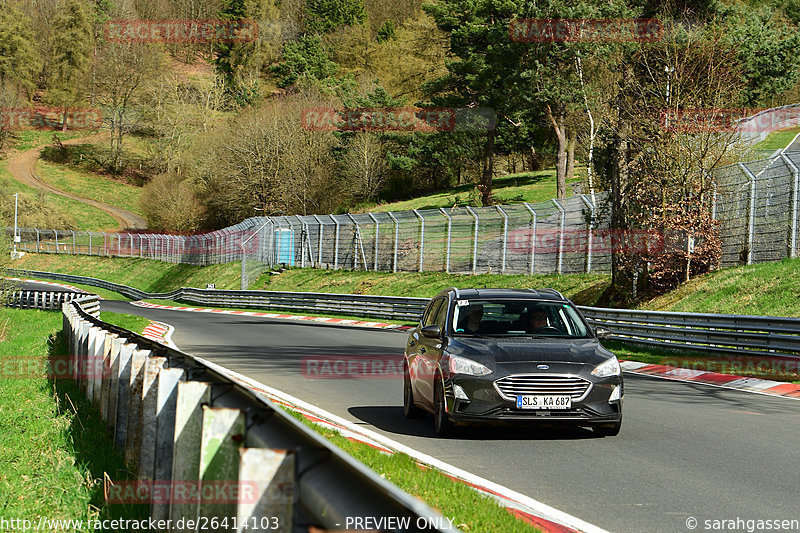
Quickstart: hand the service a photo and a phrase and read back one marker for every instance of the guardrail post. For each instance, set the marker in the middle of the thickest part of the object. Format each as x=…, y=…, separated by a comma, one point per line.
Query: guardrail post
x=795, y=193
x=120, y=393
x=505, y=238
x=561, y=234
x=396, y=239
x=223, y=434
x=166, y=409
x=133, y=438
x=149, y=401
x=751, y=216
x=421, y=237
x=110, y=355
x=475, y=241
x=377, y=237
x=449, y=234
x=186, y=448
x=590, y=236
x=270, y=476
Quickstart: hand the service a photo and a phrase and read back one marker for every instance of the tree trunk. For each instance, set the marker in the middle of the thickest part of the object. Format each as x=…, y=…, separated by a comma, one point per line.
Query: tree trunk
x=64, y=120
x=561, y=165
x=488, y=170
x=572, y=140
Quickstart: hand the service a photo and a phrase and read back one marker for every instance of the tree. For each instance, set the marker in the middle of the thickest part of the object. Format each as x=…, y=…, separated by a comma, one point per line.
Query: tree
x=124, y=69
x=323, y=16
x=364, y=163
x=19, y=56
x=72, y=52
x=305, y=57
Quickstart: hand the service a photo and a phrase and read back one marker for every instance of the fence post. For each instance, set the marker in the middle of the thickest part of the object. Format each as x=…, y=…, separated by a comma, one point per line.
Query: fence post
x=303, y=240
x=449, y=233
x=73, y=242
x=795, y=192
x=475, y=241
x=90, y=242
x=561, y=234
x=56, y=232
x=396, y=239
x=377, y=236
x=505, y=238
x=336, y=245
x=714, y=202
x=319, y=239
x=37, y=239
x=421, y=237
x=590, y=237
x=751, y=216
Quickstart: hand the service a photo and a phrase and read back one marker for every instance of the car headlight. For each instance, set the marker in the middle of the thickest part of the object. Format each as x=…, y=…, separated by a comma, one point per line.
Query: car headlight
x=460, y=365
x=607, y=368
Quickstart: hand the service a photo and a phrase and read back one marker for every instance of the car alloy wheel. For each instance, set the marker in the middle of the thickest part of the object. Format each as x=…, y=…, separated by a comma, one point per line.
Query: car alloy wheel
x=441, y=423
x=409, y=409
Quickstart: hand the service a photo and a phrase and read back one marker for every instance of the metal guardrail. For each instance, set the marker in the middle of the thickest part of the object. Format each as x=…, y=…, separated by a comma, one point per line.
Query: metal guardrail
x=730, y=334
x=46, y=300
x=181, y=421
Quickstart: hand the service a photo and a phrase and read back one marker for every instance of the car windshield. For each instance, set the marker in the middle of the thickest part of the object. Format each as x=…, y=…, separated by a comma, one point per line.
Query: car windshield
x=516, y=317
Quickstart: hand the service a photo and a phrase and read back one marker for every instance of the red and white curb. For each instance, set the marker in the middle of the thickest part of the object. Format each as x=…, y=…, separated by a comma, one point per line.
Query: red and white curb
x=160, y=332
x=725, y=381
x=542, y=516
x=284, y=316
x=50, y=283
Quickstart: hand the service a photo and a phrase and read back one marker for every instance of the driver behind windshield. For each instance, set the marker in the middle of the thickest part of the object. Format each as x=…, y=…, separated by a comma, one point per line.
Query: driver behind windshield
x=537, y=321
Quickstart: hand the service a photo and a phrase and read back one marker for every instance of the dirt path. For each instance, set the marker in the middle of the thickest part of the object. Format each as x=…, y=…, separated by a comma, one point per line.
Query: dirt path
x=22, y=167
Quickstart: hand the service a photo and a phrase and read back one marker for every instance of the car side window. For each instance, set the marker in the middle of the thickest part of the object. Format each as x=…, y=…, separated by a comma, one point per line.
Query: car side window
x=441, y=315
x=431, y=312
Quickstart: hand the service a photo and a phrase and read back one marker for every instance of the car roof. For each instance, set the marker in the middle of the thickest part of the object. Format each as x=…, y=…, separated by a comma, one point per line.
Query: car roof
x=470, y=294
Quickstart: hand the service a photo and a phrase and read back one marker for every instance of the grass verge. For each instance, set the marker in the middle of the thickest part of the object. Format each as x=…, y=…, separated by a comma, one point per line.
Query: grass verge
x=532, y=187
x=778, y=139
x=91, y=186
x=132, y=323
x=55, y=452
x=472, y=511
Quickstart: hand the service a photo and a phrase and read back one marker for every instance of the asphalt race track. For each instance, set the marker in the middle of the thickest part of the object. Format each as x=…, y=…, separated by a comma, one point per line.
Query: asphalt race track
x=685, y=450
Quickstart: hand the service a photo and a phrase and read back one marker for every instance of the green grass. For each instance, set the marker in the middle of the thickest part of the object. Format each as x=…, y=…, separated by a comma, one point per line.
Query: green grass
x=771, y=289
x=25, y=140
x=63, y=212
x=532, y=187
x=157, y=276
x=55, y=451
x=132, y=323
x=778, y=139
x=91, y=186
x=473, y=512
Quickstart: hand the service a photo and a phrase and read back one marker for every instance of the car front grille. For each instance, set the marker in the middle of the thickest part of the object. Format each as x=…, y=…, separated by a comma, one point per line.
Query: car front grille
x=541, y=384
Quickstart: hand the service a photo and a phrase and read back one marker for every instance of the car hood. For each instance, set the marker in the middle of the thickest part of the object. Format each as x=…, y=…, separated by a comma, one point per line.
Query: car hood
x=508, y=350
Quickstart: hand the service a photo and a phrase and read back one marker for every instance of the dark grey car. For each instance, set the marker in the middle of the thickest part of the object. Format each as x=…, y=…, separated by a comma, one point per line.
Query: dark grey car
x=513, y=356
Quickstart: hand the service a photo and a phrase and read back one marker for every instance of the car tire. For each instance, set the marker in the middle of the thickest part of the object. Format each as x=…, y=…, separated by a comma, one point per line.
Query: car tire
x=610, y=431
x=409, y=409
x=443, y=426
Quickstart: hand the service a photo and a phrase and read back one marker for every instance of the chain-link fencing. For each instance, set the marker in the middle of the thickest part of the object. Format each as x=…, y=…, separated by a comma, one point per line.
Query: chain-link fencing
x=756, y=204
x=559, y=236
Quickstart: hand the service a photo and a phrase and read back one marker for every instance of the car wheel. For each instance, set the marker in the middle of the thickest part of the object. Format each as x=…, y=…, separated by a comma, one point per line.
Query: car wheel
x=409, y=409
x=610, y=431
x=441, y=423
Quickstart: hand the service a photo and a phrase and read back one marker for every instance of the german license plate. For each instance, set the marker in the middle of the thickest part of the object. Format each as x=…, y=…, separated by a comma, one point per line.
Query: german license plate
x=544, y=402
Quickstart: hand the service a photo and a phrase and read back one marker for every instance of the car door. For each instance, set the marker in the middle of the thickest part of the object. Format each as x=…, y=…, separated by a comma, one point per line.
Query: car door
x=430, y=352
x=416, y=368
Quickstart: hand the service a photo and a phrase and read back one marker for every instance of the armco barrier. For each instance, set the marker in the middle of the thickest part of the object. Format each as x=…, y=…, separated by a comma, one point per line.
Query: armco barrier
x=48, y=300
x=730, y=334
x=183, y=424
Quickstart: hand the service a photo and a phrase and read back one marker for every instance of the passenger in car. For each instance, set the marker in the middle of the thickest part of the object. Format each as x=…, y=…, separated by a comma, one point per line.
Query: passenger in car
x=474, y=319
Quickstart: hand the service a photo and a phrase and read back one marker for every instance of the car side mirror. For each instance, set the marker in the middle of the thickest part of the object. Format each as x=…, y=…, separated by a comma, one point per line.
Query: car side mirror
x=603, y=333
x=432, y=332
